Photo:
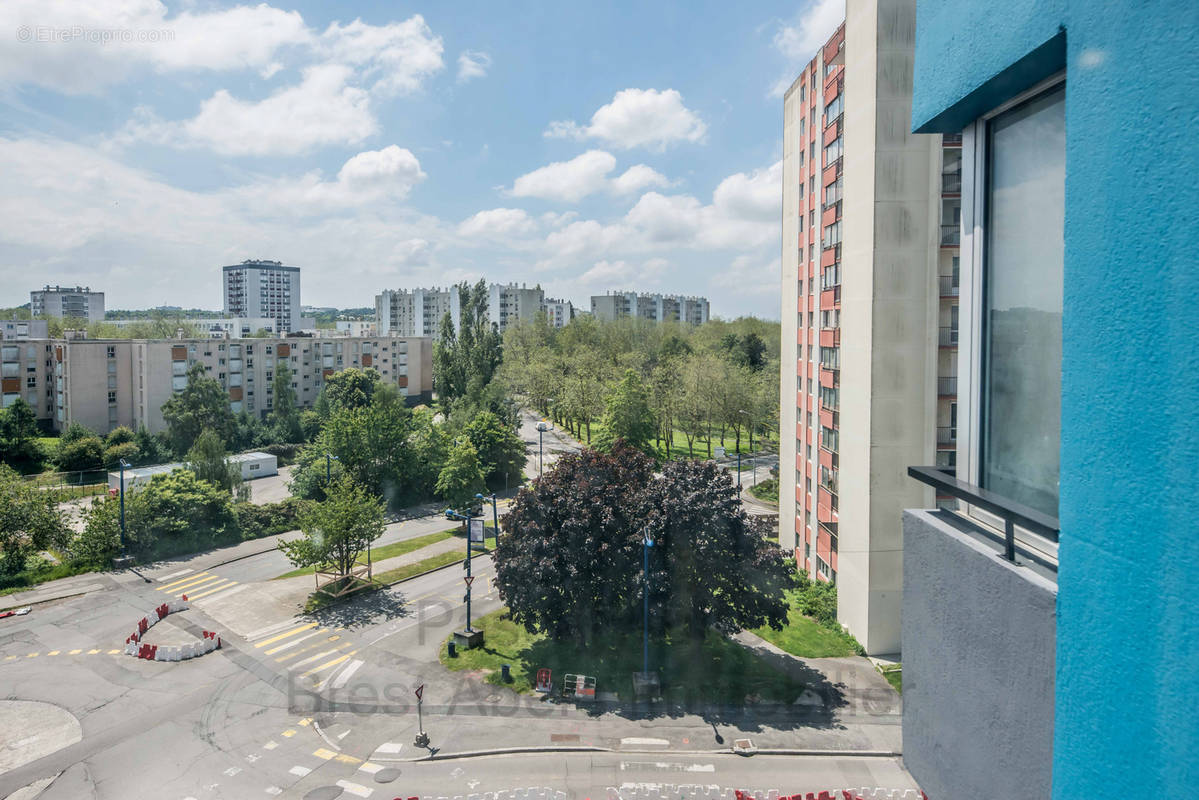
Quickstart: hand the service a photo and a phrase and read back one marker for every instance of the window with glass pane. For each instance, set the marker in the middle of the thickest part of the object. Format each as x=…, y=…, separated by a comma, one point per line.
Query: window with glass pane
x=1020, y=418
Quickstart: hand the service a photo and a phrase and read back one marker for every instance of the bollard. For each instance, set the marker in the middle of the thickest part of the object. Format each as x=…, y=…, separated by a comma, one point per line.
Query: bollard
x=452, y=649
x=506, y=671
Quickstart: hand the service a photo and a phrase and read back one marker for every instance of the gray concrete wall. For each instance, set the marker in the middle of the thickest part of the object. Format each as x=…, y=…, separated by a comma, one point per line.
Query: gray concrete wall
x=978, y=666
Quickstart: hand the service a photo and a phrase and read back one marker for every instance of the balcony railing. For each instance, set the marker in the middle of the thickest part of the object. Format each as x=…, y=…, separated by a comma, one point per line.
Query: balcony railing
x=948, y=337
x=949, y=285
x=951, y=182
x=951, y=139
x=947, y=387
x=951, y=235
x=947, y=435
x=1011, y=512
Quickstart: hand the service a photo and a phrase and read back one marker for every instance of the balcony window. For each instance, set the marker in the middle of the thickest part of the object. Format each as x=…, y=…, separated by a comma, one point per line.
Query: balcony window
x=1011, y=355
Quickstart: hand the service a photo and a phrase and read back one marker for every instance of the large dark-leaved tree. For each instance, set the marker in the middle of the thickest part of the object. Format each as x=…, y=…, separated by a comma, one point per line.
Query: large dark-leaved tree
x=570, y=558
x=711, y=565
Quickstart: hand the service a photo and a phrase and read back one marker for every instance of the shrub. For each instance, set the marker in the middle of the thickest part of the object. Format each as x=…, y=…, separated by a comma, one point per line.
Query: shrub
x=284, y=453
x=126, y=450
x=256, y=521
x=119, y=435
x=82, y=453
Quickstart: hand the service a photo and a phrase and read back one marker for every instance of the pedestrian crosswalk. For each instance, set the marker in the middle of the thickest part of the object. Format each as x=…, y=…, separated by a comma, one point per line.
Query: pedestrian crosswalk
x=195, y=585
x=315, y=653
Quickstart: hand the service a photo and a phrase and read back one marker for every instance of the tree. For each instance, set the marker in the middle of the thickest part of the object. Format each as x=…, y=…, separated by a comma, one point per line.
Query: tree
x=119, y=435
x=19, y=445
x=351, y=388
x=73, y=433
x=568, y=562
x=627, y=415
x=464, y=360
x=178, y=513
x=501, y=451
x=202, y=404
x=208, y=460
x=79, y=455
x=29, y=522
x=712, y=565
x=462, y=477
x=338, y=531
x=151, y=448
x=114, y=454
x=285, y=419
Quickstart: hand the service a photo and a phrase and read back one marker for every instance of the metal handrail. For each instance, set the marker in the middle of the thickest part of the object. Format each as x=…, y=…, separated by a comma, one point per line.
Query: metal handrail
x=944, y=480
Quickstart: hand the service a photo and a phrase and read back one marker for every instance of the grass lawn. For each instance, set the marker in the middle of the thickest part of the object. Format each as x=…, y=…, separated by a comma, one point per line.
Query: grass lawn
x=894, y=676
x=767, y=490
x=388, y=550
x=716, y=670
x=26, y=580
x=678, y=445
x=807, y=638
x=426, y=564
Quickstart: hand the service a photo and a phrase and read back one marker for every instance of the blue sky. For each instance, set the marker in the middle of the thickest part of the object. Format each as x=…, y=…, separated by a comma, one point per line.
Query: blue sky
x=387, y=145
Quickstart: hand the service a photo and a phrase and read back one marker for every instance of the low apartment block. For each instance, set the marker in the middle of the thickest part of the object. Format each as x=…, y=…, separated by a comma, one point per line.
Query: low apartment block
x=652, y=307
x=22, y=329
x=418, y=312
x=103, y=383
x=78, y=302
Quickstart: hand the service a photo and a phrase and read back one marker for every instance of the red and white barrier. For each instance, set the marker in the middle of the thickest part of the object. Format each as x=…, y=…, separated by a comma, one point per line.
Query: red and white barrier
x=151, y=652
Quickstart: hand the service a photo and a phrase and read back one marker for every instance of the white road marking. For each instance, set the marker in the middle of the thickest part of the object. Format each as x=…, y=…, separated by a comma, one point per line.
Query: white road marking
x=389, y=747
x=370, y=768
x=640, y=741
x=344, y=676
x=269, y=629
x=314, y=658
x=355, y=788
x=666, y=765
x=295, y=642
x=252, y=757
x=232, y=771
x=228, y=592
x=271, y=745
x=273, y=790
x=166, y=578
x=300, y=771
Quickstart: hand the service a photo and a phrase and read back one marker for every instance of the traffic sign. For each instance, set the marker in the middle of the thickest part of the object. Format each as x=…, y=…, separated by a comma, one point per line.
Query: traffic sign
x=544, y=681
x=469, y=579
x=420, y=690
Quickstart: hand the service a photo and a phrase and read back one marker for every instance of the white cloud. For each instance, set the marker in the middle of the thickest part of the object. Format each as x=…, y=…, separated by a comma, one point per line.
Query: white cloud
x=472, y=64
x=391, y=171
x=568, y=181
x=65, y=51
x=323, y=109
x=798, y=41
x=637, y=118
x=747, y=275
x=498, y=223
x=636, y=178
x=396, y=57
x=757, y=196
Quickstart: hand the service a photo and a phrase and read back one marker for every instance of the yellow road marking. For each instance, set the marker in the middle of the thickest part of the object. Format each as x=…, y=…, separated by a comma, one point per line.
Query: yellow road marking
x=330, y=663
x=325, y=754
x=216, y=588
x=52, y=653
x=182, y=581
x=305, y=722
x=9, y=658
x=187, y=587
x=292, y=632
x=290, y=732
x=114, y=652
x=305, y=649
x=75, y=652
x=347, y=759
x=31, y=655
x=93, y=651
x=293, y=643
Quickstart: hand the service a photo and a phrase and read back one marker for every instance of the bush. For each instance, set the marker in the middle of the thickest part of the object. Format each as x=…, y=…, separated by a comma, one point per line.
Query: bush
x=126, y=450
x=119, y=435
x=818, y=600
x=284, y=453
x=256, y=521
x=81, y=453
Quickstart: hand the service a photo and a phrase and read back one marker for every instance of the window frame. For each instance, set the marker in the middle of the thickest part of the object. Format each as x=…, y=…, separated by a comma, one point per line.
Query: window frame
x=971, y=260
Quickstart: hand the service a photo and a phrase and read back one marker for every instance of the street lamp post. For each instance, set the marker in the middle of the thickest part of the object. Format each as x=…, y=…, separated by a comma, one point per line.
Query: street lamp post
x=541, y=429
x=455, y=515
x=647, y=543
x=124, y=540
x=329, y=459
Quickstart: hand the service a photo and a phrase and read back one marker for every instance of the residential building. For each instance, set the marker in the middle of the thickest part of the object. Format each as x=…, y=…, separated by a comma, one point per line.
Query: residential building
x=78, y=302
x=559, y=312
x=264, y=289
x=355, y=327
x=1049, y=625
x=215, y=327
x=866, y=324
x=103, y=383
x=416, y=312
x=652, y=307
x=21, y=329
x=507, y=303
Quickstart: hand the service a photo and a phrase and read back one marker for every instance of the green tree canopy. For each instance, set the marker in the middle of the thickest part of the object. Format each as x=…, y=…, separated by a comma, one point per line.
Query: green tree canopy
x=29, y=521
x=501, y=451
x=569, y=560
x=209, y=461
x=462, y=476
x=349, y=389
x=338, y=531
x=19, y=446
x=285, y=418
x=627, y=415
x=119, y=435
x=203, y=404
x=464, y=360
x=86, y=453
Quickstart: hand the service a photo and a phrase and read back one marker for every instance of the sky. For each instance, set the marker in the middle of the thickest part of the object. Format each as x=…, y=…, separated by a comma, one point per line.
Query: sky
x=585, y=148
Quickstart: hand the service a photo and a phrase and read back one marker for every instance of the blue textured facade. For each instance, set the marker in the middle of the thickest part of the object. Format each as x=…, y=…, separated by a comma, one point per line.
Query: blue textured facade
x=1127, y=674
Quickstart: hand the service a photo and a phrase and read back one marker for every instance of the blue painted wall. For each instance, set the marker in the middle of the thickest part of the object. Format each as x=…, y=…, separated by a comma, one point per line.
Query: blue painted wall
x=1127, y=708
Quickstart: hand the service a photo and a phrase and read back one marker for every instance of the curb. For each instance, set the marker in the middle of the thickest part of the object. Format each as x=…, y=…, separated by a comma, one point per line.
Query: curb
x=457, y=563
x=725, y=751
x=47, y=600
